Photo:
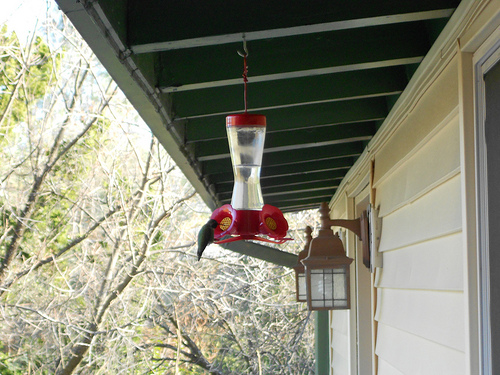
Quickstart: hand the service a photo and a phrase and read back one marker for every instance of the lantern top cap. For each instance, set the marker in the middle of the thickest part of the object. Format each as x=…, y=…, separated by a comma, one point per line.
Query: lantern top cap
x=246, y=119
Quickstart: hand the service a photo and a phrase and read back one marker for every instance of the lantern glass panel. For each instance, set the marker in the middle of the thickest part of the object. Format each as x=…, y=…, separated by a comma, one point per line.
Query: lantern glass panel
x=246, y=144
x=302, y=287
x=329, y=288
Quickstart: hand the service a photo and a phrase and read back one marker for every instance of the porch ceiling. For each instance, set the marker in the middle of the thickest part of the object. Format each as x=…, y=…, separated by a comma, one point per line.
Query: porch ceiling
x=325, y=73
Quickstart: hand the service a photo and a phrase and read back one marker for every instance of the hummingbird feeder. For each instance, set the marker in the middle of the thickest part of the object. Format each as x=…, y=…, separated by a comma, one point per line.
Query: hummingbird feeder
x=247, y=217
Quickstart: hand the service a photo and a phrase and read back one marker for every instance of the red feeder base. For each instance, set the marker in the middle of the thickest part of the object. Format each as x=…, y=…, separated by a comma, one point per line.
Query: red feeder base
x=250, y=224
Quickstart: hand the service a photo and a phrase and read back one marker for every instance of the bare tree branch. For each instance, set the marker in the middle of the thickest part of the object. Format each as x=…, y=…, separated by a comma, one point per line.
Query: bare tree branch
x=79, y=349
x=69, y=246
x=22, y=221
x=106, y=236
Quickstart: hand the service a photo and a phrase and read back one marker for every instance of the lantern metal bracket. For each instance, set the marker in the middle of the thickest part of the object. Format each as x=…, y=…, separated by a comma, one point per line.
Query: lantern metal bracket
x=359, y=226
x=374, y=258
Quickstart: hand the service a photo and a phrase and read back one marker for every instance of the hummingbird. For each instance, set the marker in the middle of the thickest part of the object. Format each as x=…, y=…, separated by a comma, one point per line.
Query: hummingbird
x=206, y=236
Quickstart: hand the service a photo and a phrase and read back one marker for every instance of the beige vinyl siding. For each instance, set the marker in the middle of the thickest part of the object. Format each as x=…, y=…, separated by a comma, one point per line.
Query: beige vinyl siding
x=339, y=211
x=339, y=322
x=425, y=296
x=420, y=302
x=412, y=354
x=429, y=265
x=437, y=103
x=436, y=214
x=436, y=159
x=431, y=315
x=420, y=299
x=339, y=342
x=387, y=369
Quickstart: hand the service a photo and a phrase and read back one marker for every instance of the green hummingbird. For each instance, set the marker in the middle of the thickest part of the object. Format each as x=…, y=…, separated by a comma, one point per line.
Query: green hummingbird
x=206, y=236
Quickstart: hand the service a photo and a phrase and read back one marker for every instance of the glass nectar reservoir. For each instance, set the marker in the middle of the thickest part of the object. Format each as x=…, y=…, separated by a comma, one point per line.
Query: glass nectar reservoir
x=246, y=134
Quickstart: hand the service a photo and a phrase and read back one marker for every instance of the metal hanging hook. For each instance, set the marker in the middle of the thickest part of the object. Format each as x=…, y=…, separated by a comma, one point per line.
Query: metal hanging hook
x=244, y=54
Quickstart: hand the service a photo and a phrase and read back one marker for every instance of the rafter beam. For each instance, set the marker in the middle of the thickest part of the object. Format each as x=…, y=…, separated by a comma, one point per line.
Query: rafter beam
x=278, y=59
x=295, y=74
x=301, y=91
x=290, y=31
x=279, y=202
x=295, y=147
x=301, y=171
x=334, y=115
x=302, y=157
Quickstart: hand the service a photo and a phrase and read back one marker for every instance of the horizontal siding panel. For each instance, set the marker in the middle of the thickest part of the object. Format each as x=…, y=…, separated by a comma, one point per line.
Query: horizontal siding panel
x=434, y=265
x=339, y=341
x=386, y=369
x=413, y=355
x=436, y=104
x=339, y=365
x=435, y=214
x=339, y=321
x=339, y=361
x=435, y=162
x=340, y=357
x=339, y=209
x=435, y=316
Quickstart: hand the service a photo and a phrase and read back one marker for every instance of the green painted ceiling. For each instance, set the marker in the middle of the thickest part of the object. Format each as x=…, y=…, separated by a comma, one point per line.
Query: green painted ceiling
x=325, y=73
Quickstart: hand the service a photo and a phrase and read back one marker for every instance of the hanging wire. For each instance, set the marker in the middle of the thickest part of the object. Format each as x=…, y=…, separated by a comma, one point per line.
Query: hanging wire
x=245, y=69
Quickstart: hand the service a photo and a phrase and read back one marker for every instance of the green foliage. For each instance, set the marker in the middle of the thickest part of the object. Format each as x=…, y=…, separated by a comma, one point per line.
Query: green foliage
x=40, y=70
x=9, y=65
x=12, y=364
x=24, y=77
x=8, y=366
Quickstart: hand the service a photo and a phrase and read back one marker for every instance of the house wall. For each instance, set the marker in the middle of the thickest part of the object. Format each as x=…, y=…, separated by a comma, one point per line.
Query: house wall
x=340, y=320
x=420, y=300
x=423, y=298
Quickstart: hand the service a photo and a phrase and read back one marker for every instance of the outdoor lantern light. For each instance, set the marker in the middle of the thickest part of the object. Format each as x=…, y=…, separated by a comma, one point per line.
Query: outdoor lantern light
x=327, y=266
x=247, y=217
x=300, y=275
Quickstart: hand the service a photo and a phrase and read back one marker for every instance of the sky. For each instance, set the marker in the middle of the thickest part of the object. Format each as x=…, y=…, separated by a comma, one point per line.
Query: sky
x=21, y=15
